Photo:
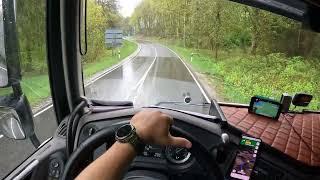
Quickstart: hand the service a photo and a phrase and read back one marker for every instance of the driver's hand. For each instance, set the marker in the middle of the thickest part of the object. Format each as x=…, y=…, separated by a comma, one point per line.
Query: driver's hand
x=153, y=128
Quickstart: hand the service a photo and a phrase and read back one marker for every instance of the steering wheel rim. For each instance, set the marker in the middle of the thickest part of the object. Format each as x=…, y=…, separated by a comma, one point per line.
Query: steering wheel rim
x=89, y=145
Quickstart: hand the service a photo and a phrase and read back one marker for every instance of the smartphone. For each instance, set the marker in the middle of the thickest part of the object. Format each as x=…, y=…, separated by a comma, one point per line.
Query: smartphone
x=246, y=158
x=265, y=107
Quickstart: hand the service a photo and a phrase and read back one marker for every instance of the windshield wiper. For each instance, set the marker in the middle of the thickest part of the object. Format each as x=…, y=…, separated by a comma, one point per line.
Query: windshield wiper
x=181, y=103
x=199, y=115
x=105, y=106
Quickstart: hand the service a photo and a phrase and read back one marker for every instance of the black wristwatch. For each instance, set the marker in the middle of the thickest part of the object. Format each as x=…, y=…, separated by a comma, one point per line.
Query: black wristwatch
x=127, y=134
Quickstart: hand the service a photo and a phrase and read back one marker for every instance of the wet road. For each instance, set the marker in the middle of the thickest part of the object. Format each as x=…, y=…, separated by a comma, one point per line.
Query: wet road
x=3, y=75
x=156, y=76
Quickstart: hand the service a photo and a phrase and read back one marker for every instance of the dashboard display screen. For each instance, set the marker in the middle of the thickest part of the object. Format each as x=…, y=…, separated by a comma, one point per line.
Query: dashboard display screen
x=245, y=159
x=265, y=107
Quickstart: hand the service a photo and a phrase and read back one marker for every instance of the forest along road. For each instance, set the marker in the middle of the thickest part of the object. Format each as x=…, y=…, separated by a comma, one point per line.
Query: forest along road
x=156, y=76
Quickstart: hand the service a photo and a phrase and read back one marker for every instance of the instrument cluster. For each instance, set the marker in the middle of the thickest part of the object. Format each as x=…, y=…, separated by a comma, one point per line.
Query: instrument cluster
x=174, y=155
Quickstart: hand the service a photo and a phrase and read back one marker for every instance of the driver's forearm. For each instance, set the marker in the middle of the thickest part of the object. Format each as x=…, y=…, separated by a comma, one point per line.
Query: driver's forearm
x=111, y=165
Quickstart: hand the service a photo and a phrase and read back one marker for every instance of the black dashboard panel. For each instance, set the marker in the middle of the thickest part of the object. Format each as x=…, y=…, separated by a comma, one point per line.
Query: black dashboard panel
x=270, y=164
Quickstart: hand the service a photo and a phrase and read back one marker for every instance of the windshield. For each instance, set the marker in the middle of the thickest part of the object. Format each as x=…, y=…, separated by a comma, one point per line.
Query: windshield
x=166, y=52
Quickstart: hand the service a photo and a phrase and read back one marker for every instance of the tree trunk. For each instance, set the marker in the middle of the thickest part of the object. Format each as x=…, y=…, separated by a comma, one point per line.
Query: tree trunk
x=184, y=27
x=29, y=67
x=305, y=42
x=254, y=17
x=217, y=33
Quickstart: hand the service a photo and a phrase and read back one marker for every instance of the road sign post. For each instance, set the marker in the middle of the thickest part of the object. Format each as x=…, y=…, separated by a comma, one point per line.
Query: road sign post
x=193, y=54
x=113, y=39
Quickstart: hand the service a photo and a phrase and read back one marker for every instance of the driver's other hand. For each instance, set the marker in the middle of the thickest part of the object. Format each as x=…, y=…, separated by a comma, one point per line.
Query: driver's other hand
x=153, y=128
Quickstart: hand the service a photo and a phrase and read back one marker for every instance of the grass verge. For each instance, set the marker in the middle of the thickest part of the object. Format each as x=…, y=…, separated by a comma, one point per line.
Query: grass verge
x=37, y=87
x=108, y=60
x=240, y=76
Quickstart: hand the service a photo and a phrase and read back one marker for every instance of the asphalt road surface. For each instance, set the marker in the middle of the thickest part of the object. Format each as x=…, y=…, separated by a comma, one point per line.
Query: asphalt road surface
x=155, y=76
x=3, y=76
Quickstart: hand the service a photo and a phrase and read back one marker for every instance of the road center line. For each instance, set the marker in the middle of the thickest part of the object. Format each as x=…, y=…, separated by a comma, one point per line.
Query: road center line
x=194, y=78
x=143, y=78
x=146, y=73
x=97, y=78
x=3, y=68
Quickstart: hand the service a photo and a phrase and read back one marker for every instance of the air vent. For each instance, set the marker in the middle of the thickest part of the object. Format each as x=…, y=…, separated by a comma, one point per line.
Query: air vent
x=62, y=130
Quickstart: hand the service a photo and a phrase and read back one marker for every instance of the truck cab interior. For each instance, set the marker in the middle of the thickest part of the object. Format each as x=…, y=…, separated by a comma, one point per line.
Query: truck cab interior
x=86, y=126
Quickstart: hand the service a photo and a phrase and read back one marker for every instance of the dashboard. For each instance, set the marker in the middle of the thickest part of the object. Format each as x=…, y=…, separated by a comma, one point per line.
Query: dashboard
x=173, y=155
x=49, y=161
x=179, y=163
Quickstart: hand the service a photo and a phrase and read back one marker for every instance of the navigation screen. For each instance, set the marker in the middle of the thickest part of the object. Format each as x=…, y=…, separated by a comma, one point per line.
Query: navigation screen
x=246, y=158
x=265, y=108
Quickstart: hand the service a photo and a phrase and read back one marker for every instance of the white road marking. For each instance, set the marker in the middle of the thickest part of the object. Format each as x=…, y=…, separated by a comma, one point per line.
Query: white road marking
x=194, y=78
x=97, y=78
x=1, y=136
x=115, y=67
x=3, y=68
x=43, y=110
x=140, y=82
x=143, y=78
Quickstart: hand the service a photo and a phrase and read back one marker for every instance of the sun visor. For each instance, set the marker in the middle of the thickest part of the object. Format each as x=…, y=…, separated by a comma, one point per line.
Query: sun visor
x=304, y=11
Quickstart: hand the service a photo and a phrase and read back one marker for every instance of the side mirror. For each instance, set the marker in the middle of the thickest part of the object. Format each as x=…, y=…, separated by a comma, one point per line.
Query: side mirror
x=10, y=124
x=16, y=119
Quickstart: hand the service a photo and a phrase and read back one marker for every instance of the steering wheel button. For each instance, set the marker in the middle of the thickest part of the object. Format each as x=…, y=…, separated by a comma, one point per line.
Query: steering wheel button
x=55, y=164
x=158, y=155
x=53, y=172
x=57, y=174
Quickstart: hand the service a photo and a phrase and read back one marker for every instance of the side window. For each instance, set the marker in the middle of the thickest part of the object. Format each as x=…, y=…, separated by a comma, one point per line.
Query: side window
x=27, y=18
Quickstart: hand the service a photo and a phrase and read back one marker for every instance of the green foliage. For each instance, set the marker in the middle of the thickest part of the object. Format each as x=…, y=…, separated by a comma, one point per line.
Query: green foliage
x=219, y=25
x=31, y=35
x=243, y=76
x=108, y=60
x=102, y=14
x=36, y=86
x=246, y=50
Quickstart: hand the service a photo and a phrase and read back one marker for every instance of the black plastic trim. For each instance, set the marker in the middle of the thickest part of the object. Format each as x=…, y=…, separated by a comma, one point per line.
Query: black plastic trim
x=55, y=63
x=70, y=50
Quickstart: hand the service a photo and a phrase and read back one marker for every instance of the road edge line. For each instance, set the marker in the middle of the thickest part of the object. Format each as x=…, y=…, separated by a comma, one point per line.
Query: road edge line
x=203, y=91
x=99, y=76
x=114, y=67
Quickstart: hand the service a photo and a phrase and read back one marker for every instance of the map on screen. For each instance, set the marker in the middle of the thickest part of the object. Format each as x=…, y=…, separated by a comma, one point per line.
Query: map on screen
x=265, y=108
x=246, y=157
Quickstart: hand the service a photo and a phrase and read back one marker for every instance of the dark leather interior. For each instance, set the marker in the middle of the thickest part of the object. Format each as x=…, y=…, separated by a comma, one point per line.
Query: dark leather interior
x=300, y=141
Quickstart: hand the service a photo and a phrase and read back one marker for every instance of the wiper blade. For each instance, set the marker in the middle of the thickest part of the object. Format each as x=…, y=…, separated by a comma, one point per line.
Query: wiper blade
x=181, y=103
x=96, y=106
x=110, y=103
x=199, y=115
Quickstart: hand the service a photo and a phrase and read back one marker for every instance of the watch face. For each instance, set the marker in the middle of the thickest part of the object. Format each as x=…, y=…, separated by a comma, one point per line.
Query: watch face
x=124, y=131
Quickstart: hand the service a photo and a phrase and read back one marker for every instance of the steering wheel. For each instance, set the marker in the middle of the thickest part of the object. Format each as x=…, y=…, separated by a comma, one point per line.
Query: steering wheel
x=198, y=150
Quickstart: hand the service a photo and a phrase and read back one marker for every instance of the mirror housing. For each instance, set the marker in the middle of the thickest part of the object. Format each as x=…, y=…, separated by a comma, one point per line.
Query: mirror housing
x=10, y=125
x=16, y=117
x=10, y=72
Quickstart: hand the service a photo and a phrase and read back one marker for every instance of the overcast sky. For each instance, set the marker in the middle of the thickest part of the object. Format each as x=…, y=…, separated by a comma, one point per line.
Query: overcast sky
x=127, y=6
